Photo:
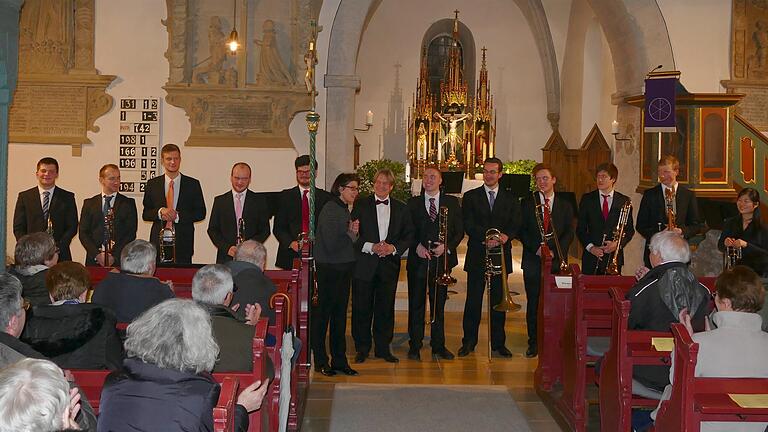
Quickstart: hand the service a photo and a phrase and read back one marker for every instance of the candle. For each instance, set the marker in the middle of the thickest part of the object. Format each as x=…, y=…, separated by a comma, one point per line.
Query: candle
x=369, y=118
x=407, y=171
x=615, y=127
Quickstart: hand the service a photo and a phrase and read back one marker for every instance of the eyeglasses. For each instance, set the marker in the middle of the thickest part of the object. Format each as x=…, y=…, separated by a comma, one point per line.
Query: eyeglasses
x=352, y=188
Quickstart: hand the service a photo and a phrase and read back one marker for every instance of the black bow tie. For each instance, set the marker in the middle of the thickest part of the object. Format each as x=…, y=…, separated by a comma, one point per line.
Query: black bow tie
x=385, y=202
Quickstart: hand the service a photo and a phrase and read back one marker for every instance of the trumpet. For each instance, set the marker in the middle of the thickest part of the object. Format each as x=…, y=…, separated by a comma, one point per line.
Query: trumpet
x=669, y=199
x=618, y=235
x=491, y=270
x=240, y=232
x=551, y=234
x=731, y=257
x=109, y=234
x=442, y=237
x=49, y=226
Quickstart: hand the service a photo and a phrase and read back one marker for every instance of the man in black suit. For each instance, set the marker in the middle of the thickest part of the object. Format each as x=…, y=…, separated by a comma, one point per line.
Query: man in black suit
x=47, y=205
x=599, y=212
x=93, y=235
x=229, y=208
x=292, y=216
x=385, y=234
x=556, y=213
x=652, y=216
x=425, y=249
x=488, y=206
x=174, y=200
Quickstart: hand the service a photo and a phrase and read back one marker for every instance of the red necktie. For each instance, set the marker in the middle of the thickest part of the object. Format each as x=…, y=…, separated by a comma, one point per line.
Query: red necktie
x=305, y=212
x=546, y=215
x=605, y=207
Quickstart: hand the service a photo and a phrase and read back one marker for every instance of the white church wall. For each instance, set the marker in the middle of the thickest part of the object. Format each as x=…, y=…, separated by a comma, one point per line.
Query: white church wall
x=394, y=35
x=130, y=43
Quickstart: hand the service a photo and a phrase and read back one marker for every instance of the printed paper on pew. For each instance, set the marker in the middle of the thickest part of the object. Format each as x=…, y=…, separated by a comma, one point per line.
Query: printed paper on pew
x=663, y=344
x=750, y=400
x=564, y=282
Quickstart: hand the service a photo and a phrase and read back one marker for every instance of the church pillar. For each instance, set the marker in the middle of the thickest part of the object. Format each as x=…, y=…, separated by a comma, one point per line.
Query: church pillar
x=9, y=54
x=339, y=125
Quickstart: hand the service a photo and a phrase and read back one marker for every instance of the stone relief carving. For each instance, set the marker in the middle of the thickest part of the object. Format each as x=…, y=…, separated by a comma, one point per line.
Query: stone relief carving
x=59, y=94
x=245, y=99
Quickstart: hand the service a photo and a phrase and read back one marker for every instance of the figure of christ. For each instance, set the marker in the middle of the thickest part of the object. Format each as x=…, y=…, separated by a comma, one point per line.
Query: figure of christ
x=453, y=138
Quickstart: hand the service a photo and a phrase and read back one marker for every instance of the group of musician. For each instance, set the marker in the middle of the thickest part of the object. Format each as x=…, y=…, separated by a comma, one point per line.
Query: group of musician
x=359, y=242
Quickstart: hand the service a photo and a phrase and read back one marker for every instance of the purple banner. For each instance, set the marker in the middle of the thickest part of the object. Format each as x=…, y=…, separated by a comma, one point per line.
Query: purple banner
x=660, y=104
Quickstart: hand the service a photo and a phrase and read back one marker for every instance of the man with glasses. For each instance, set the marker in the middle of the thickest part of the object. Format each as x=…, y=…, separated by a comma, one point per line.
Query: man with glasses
x=488, y=206
x=292, y=216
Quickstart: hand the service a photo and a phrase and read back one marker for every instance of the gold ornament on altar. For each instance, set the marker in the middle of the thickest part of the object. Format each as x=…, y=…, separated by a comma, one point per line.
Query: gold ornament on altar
x=452, y=129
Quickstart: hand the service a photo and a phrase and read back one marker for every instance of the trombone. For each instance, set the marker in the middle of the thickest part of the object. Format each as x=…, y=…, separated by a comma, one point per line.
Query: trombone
x=302, y=240
x=669, y=199
x=444, y=279
x=491, y=270
x=109, y=234
x=539, y=212
x=613, y=264
x=240, y=232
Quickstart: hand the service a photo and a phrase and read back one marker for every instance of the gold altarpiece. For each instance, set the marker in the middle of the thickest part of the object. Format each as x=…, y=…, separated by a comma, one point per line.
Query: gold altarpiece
x=452, y=129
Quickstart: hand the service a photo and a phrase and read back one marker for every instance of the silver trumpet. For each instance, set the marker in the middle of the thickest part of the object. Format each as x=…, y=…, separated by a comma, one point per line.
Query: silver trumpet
x=491, y=270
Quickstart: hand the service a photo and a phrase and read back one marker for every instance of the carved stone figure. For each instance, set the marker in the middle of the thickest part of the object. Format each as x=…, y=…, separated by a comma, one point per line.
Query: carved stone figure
x=421, y=141
x=272, y=71
x=216, y=70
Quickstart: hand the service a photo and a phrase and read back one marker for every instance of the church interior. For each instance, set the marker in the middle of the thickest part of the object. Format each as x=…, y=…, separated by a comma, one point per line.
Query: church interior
x=407, y=85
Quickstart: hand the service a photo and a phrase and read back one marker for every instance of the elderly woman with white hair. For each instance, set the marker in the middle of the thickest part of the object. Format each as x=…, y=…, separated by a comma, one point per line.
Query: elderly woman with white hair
x=35, y=397
x=166, y=383
x=34, y=254
x=661, y=293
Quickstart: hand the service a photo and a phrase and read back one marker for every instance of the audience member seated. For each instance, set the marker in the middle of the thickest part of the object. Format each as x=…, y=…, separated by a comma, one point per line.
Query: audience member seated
x=252, y=286
x=72, y=333
x=658, y=297
x=12, y=318
x=212, y=289
x=166, y=384
x=34, y=254
x=134, y=289
x=35, y=396
x=736, y=347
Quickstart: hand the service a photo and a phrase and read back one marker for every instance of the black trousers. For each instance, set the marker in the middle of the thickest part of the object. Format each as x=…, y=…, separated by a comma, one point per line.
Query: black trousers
x=333, y=297
x=373, y=304
x=417, y=302
x=532, y=281
x=473, y=310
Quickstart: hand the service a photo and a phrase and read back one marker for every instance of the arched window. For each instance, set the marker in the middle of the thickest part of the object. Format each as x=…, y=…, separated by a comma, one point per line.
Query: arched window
x=437, y=59
x=437, y=40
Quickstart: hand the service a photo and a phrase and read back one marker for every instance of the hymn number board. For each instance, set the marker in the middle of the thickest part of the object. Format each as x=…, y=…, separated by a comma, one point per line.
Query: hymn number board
x=139, y=142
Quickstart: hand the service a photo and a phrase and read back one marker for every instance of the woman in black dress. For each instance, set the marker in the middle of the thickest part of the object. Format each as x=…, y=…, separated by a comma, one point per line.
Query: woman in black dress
x=747, y=232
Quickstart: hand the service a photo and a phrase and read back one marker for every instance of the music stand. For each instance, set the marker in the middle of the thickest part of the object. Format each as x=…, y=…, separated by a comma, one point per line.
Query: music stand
x=453, y=181
x=518, y=184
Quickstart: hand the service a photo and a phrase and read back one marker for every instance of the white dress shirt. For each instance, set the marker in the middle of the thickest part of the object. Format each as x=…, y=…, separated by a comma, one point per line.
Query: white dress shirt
x=382, y=218
x=40, y=191
x=495, y=193
x=426, y=201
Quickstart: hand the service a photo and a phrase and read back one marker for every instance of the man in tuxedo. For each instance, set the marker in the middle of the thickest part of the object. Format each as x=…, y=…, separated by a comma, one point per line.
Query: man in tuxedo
x=556, y=214
x=47, y=205
x=488, y=206
x=668, y=194
x=598, y=221
x=292, y=216
x=224, y=226
x=385, y=234
x=174, y=200
x=93, y=234
x=426, y=250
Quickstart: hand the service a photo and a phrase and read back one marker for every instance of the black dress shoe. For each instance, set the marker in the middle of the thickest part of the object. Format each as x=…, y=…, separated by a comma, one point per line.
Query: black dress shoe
x=532, y=351
x=346, y=370
x=464, y=351
x=360, y=357
x=414, y=355
x=504, y=352
x=443, y=354
x=389, y=358
x=325, y=370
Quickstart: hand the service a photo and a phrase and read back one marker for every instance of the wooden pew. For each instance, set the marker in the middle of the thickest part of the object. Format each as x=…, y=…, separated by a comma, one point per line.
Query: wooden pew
x=628, y=348
x=224, y=411
x=697, y=399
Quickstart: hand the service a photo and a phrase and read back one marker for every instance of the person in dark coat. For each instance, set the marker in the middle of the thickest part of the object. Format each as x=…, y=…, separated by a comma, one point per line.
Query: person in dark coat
x=335, y=258
x=385, y=234
x=427, y=251
x=560, y=212
x=34, y=254
x=599, y=213
x=165, y=384
x=487, y=207
x=661, y=294
x=652, y=215
x=92, y=232
x=174, y=200
x=233, y=206
x=746, y=233
x=252, y=286
x=45, y=203
x=72, y=333
x=134, y=288
x=292, y=216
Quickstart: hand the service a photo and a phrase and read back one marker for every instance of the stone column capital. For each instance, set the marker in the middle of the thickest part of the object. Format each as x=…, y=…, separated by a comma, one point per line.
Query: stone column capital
x=346, y=81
